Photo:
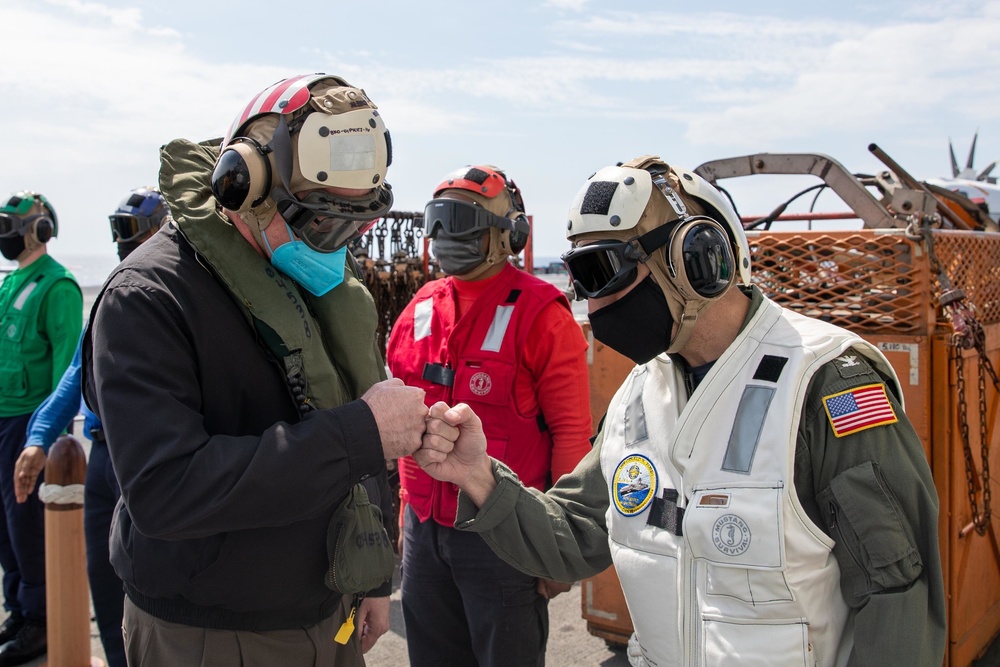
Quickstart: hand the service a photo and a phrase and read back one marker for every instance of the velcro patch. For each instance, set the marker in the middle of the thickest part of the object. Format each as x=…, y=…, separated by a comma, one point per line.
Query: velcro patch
x=859, y=409
x=769, y=368
x=598, y=197
x=852, y=364
x=476, y=176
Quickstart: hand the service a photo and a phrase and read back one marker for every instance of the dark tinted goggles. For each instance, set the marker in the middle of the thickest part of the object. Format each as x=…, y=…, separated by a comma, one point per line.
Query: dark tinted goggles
x=607, y=267
x=125, y=228
x=326, y=222
x=460, y=220
x=12, y=225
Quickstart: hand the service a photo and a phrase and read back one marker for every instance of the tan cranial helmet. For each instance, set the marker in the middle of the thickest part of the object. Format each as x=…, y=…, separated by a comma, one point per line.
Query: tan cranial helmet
x=307, y=133
x=674, y=221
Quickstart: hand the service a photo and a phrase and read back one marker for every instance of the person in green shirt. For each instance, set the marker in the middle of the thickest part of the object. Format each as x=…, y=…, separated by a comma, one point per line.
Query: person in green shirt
x=41, y=316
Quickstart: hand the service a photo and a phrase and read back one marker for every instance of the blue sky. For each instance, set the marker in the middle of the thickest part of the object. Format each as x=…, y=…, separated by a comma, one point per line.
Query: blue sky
x=551, y=91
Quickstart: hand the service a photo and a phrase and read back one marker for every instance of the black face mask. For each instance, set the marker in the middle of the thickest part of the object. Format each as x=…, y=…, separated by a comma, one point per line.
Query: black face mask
x=125, y=248
x=638, y=325
x=12, y=246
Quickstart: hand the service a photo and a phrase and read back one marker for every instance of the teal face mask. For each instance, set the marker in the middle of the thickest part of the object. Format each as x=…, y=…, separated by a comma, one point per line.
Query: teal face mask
x=318, y=272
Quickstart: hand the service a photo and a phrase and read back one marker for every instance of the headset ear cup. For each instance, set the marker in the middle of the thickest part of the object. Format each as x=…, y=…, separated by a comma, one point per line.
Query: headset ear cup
x=519, y=236
x=42, y=230
x=701, y=258
x=242, y=175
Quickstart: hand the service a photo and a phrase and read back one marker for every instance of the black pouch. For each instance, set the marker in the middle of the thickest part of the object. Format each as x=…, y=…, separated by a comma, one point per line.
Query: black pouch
x=361, y=555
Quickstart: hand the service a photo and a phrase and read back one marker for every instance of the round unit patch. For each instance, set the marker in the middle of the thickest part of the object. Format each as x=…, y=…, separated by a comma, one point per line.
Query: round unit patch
x=731, y=535
x=634, y=484
x=480, y=384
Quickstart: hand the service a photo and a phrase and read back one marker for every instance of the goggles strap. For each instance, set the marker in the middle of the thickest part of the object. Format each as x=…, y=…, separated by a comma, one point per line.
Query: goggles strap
x=640, y=248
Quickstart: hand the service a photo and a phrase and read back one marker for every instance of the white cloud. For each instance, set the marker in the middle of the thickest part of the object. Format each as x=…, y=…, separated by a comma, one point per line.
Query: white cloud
x=104, y=87
x=573, y=5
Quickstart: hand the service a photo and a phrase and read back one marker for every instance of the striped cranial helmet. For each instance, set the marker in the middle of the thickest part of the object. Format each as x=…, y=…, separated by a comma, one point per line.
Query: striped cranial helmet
x=293, y=142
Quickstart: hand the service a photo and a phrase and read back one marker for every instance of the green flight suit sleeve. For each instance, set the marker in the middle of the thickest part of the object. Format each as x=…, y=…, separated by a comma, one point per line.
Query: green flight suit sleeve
x=61, y=321
x=871, y=491
x=560, y=534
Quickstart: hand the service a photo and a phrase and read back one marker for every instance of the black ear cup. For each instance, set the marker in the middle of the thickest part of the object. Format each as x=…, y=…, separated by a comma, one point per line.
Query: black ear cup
x=519, y=236
x=242, y=176
x=702, y=252
x=43, y=229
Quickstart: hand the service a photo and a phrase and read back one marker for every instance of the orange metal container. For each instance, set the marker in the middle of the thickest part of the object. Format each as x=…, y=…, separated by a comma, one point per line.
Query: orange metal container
x=881, y=285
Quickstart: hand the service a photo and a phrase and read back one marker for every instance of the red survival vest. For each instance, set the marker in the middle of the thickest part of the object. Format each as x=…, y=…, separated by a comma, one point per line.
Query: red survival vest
x=473, y=361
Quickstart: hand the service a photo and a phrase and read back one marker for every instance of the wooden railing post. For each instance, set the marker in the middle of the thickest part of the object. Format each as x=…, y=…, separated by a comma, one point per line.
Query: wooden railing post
x=67, y=594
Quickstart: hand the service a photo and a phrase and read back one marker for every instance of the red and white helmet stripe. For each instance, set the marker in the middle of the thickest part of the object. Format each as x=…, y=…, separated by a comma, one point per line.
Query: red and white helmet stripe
x=284, y=97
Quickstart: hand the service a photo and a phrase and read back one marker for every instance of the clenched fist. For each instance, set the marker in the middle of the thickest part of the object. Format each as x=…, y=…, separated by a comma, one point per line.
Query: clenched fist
x=400, y=414
x=454, y=450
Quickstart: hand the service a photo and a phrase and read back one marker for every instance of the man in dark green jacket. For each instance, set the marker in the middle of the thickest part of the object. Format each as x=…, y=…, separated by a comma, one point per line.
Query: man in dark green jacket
x=41, y=314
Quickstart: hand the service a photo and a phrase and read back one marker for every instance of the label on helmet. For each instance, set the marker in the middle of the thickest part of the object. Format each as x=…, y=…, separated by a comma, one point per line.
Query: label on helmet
x=345, y=150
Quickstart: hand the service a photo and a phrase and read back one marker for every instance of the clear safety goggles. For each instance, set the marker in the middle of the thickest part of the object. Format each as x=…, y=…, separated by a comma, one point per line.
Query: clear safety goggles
x=12, y=225
x=461, y=220
x=326, y=222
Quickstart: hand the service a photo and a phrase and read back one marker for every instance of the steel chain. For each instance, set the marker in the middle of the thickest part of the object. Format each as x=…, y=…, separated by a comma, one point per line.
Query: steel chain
x=968, y=334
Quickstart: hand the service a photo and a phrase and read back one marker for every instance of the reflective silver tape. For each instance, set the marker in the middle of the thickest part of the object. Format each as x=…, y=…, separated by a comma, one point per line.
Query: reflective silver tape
x=635, y=414
x=423, y=313
x=25, y=293
x=494, y=337
x=746, y=431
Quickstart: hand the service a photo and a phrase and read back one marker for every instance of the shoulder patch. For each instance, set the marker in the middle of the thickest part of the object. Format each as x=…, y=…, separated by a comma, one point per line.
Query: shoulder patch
x=859, y=409
x=852, y=364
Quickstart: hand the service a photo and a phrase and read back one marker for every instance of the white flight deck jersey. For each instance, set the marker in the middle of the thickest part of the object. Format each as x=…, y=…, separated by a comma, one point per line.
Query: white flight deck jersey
x=718, y=561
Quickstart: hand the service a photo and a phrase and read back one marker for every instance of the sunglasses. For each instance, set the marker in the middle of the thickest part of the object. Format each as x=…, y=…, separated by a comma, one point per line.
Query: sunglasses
x=606, y=267
x=462, y=220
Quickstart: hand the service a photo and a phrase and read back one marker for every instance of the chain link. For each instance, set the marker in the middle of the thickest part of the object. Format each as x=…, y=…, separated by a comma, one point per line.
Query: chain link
x=968, y=334
x=391, y=257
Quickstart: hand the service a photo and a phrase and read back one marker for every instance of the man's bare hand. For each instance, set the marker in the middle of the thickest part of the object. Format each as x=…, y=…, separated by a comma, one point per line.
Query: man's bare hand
x=29, y=466
x=454, y=450
x=400, y=414
x=372, y=621
x=549, y=588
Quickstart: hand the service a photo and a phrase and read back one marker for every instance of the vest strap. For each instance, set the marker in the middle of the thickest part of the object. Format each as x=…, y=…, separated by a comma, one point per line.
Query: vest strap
x=664, y=513
x=439, y=374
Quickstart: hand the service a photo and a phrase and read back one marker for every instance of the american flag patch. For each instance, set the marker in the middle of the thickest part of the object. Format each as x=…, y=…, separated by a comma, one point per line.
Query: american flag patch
x=859, y=408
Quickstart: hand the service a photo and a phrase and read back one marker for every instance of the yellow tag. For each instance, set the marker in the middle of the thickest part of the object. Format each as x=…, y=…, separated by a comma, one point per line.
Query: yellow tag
x=346, y=630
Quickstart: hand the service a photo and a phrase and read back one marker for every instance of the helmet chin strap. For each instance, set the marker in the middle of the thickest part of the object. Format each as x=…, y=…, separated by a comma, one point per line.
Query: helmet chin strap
x=685, y=325
x=685, y=311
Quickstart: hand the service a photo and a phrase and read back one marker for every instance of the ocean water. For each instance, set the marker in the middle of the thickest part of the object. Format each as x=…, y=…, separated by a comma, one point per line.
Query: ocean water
x=90, y=270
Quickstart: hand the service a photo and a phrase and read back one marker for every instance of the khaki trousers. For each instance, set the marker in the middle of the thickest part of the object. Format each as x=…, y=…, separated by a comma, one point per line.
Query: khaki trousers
x=151, y=642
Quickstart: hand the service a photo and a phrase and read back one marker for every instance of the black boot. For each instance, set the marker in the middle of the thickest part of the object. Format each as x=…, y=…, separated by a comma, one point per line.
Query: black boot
x=29, y=643
x=11, y=627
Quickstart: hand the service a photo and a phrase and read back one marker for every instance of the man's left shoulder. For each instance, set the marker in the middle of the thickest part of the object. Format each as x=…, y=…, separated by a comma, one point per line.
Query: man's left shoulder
x=850, y=365
x=853, y=395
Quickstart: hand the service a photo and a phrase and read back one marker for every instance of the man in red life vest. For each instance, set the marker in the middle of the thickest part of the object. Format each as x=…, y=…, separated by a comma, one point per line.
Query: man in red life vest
x=506, y=343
